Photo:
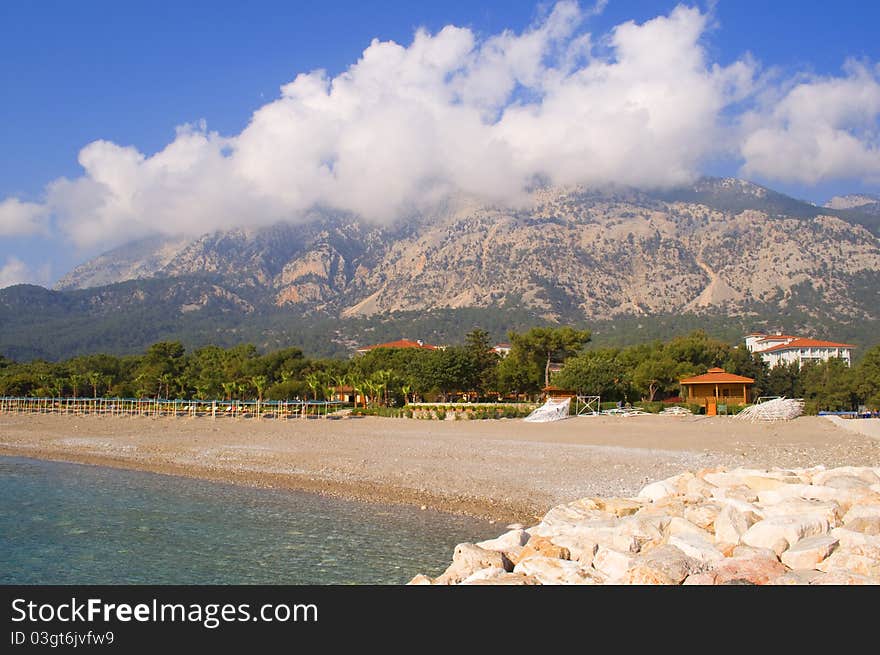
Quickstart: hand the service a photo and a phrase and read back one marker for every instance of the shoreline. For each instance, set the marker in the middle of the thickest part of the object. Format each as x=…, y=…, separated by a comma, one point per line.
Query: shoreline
x=364, y=492
x=501, y=471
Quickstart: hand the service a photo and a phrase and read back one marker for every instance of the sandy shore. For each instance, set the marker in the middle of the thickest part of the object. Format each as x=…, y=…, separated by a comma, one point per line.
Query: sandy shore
x=502, y=470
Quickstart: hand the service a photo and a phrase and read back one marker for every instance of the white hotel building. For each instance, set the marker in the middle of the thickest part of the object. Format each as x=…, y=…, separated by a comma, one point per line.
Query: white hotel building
x=784, y=349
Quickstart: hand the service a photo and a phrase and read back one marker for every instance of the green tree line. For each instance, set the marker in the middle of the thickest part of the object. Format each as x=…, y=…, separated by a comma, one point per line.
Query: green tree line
x=644, y=372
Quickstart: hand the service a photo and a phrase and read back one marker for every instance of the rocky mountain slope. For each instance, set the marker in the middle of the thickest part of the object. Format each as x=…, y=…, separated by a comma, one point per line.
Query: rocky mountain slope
x=723, y=255
x=723, y=244
x=853, y=201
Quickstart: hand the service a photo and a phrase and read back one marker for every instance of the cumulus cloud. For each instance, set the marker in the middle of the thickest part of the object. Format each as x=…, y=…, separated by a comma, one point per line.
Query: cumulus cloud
x=454, y=112
x=15, y=271
x=19, y=218
x=820, y=128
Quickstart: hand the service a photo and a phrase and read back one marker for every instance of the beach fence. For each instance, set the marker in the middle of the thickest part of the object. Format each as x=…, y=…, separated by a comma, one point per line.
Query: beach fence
x=178, y=408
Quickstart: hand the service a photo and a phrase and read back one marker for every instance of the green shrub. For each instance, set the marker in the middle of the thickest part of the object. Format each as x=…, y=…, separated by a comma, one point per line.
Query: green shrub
x=441, y=414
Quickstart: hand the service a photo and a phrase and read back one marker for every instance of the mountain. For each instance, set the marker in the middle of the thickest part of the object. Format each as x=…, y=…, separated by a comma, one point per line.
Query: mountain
x=718, y=250
x=853, y=201
x=131, y=261
x=862, y=209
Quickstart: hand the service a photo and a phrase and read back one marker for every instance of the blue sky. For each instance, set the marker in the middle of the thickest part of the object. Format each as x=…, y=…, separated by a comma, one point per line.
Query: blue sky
x=131, y=72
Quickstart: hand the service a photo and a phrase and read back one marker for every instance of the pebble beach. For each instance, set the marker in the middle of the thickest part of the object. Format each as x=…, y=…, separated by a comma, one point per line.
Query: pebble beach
x=502, y=470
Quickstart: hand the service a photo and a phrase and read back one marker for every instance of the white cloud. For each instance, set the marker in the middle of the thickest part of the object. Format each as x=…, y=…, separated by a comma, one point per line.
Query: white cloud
x=15, y=271
x=19, y=218
x=820, y=128
x=406, y=125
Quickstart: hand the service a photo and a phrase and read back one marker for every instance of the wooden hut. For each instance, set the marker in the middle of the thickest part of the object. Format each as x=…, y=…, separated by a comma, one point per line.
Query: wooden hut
x=557, y=393
x=716, y=387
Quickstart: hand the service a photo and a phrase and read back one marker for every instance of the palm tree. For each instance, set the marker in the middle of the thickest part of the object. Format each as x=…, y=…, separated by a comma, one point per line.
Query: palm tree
x=381, y=380
x=94, y=379
x=314, y=382
x=228, y=389
x=56, y=386
x=142, y=391
x=75, y=381
x=259, y=382
x=165, y=379
x=202, y=389
x=359, y=386
x=340, y=382
x=371, y=387
x=405, y=389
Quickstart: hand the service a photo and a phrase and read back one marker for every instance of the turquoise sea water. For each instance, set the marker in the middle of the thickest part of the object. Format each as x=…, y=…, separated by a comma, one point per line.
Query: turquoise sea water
x=72, y=524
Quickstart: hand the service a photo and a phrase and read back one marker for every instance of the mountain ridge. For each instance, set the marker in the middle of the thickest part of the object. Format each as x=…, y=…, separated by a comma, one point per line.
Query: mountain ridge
x=723, y=247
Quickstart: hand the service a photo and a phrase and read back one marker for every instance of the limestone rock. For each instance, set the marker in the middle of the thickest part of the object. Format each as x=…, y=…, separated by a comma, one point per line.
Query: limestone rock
x=861, y=511
x=845, y=578
x=745, y=552
x=657, y=490
x=508, y=541
x=700, y=579
x=580, y=548
x=618, y=506
x=467, y=560
x=553, y=571
x=865, y=524
x=756, y=479
x=612, y=564
x=420, y=579
x=669, y=561
x=637, y=532
x=718, y=526
x=759, y=483
x=543, y=547
x=774, y=496
x=779, y=532
x=864, y=473
x=846, y=482
x=807, y=553
x=699, y=488
x=828, y=510
x=625, y=543
x=703, y=516
x=512, y=579
x=639, y=574
x=740, y=493
x=664, y=508
x=799, y=577
x=677, y=526
x=731, y=524
x=846, y=561
x=754, y=570
x=696, y=547
x=491, y=573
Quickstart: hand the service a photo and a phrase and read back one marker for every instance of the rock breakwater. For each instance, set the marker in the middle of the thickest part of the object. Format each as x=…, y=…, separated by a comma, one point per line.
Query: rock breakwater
x=713, y=526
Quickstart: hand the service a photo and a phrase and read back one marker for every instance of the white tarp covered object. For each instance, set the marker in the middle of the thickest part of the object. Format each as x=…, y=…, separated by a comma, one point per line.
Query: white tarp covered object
x=780, y=409
x=553, y=410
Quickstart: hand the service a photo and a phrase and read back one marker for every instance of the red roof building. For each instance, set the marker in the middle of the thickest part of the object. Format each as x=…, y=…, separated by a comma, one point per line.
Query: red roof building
x=779, y=349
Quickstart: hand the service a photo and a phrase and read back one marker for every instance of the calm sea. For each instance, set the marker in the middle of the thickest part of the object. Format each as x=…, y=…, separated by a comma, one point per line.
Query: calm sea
x=72, y=524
